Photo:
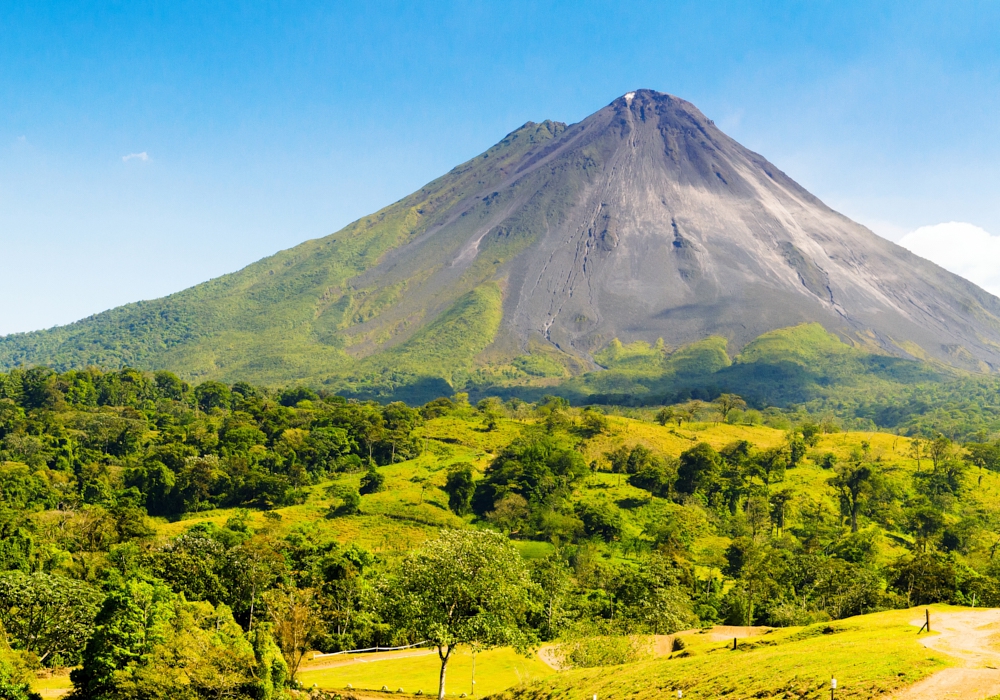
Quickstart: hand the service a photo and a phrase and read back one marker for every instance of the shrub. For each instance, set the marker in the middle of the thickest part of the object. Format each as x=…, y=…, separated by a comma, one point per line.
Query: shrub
x=605, y=650
x=460, y=486
x=372, y=482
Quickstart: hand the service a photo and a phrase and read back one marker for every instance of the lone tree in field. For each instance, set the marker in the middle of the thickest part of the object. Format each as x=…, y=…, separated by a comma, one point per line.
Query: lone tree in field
x=727, y=403
x=467, y=587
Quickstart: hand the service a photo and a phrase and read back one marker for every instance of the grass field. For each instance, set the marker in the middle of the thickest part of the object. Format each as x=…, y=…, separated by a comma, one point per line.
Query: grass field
x=870, y=656
x=496, y=671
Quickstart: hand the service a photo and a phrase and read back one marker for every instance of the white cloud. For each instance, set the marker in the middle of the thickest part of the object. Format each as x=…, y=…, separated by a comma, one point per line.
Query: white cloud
x=140, y=156
x=962, y=248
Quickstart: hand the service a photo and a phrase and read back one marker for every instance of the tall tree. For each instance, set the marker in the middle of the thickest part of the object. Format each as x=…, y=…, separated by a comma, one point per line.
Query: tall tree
x=49, y=615
x=460, y=486
x=855, y=481
x=467, y=587
x=698, y=469
x=727, y=403
x=293, y=614
x=131, y=621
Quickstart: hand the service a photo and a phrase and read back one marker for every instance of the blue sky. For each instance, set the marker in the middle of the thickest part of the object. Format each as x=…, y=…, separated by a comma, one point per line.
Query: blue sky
x=255, y=126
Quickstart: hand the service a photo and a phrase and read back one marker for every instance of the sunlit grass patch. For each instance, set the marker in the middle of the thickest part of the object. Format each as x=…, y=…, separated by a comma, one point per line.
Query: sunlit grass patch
x=53, y=684
x=869, y=655
x=496, y=670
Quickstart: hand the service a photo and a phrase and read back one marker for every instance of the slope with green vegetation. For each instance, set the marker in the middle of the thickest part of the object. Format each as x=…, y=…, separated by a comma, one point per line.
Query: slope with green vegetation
x=802, y=369
x=302, y=313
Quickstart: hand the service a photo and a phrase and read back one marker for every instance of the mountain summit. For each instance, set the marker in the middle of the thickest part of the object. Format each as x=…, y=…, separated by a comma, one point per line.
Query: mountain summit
x=641, y=222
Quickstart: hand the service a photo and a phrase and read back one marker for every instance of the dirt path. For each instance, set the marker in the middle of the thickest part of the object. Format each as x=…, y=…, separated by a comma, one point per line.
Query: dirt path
x=664, y=643
x=550, y=655
x=973, y=638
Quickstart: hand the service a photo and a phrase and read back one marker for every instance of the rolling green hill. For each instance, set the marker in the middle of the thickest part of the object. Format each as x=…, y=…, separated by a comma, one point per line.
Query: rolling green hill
x=796, y=365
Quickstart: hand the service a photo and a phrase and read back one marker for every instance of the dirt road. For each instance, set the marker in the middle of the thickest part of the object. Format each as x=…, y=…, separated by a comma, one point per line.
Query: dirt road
x=973, y=638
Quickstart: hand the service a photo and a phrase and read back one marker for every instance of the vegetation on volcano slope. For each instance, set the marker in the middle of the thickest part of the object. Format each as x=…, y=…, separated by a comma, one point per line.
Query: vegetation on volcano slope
x=240, y=331
x=233, y=511
x=802, y=369
x=295, y=315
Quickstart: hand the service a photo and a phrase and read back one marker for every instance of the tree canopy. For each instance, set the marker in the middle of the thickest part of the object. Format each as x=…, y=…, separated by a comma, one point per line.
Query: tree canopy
x=467, y=587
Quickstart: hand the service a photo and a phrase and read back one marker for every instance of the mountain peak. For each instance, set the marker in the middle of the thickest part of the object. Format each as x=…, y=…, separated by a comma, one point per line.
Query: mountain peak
x=643, y=221
x=645, y=97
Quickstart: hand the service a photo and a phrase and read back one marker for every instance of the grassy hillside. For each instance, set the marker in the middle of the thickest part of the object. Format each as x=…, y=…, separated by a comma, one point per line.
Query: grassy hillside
x=789, y=365
x=296, y=315
x=799, y=368
x=413, y=505
x=870, y=656
x=433, y=359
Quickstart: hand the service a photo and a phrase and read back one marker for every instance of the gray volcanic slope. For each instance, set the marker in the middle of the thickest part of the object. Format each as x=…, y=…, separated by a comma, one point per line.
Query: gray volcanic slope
x=643, y=221
x=666, y=227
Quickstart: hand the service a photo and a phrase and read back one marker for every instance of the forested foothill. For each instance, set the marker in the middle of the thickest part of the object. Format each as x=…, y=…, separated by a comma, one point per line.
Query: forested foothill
x=173, y=540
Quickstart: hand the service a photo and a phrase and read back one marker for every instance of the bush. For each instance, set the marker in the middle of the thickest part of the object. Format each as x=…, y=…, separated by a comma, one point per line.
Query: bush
x=15, y=675
x=600, y=520
x=791, y=615
x=656, y=476
x=293, y=395
x=460, y=486
x=372, y=482
x=605, y=650
x=346, y=501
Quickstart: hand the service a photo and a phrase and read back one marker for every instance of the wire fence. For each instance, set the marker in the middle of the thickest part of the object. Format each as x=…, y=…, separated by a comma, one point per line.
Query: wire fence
x=370, y=650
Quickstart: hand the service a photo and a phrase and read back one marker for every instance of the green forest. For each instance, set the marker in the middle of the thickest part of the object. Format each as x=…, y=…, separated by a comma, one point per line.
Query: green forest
x=171, y=540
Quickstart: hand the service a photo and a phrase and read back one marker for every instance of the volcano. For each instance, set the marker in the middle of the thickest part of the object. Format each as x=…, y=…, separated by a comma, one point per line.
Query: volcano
x=642, y=222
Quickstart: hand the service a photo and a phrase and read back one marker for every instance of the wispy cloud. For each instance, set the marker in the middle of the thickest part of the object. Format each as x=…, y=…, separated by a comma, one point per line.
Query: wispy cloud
x=962, y=248
x=139, y=156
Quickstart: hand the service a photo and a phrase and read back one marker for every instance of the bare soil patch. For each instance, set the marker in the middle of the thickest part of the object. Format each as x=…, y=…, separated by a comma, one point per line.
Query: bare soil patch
x=971, y=637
